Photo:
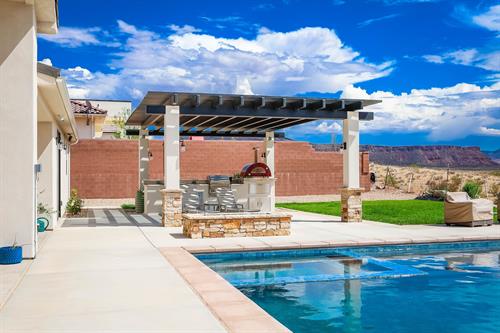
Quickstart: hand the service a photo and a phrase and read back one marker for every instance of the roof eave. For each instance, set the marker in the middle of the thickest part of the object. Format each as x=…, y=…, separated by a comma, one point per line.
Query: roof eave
x=47, y=16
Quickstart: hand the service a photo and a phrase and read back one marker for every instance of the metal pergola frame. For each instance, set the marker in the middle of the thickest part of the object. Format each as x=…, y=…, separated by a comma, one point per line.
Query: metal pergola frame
x=204, y=114
x=175, y=114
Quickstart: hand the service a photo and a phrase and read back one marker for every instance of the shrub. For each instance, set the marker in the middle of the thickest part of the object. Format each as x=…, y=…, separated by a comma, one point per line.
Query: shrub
x=495, y=191
x=390, y=180
x=495, y=173
x=74, y=205
x=454, y=183
x=128, y=206
x=437, y=185
x=43, y=210
x=473, y=189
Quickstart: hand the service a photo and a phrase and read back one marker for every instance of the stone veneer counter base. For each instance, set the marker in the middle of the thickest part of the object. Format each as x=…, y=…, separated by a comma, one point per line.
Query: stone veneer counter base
x=236, y=225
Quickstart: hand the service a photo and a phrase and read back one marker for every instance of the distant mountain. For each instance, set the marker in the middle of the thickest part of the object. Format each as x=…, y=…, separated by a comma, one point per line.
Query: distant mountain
x=494, y=155
x=425, y=156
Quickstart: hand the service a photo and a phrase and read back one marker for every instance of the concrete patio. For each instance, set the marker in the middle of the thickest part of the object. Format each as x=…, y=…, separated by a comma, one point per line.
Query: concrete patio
x=109, y=272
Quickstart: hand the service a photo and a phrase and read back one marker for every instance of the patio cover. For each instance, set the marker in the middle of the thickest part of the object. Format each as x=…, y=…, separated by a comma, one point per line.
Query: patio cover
x=241, y=115
x=190, y=114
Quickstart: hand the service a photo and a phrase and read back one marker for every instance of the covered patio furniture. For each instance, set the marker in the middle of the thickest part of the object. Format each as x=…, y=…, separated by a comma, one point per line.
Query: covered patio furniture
x=460, y=209
x=227, y=201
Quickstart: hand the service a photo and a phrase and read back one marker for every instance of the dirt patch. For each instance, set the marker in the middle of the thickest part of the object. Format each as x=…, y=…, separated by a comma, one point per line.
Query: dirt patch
x=418, y=180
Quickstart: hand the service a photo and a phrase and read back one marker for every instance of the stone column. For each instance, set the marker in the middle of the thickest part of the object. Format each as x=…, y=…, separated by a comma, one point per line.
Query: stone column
x=350, y=203
x=172, y=208
x=350, y=194
x=172, y=194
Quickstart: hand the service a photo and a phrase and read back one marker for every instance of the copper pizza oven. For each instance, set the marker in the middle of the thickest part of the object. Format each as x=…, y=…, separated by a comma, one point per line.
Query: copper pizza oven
x=255, y=169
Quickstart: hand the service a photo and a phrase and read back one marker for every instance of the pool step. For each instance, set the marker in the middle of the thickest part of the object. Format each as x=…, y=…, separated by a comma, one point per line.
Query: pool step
x=385, y=269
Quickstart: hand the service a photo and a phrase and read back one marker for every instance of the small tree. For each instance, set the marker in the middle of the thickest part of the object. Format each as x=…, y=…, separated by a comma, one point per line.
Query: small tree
x=119, y=121
x=473, y=189
x=74, y=205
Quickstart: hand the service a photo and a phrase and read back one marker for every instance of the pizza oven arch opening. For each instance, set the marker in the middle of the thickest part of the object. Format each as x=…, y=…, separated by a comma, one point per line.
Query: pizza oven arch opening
x=255, y=169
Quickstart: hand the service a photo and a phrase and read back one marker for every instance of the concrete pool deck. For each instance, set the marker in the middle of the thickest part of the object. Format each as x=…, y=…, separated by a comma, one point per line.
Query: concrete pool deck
x=316, y=230
x=114, y=272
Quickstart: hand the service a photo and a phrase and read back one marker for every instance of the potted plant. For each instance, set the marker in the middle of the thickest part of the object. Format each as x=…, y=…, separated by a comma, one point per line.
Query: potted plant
x=44, y=213
x=10, y=255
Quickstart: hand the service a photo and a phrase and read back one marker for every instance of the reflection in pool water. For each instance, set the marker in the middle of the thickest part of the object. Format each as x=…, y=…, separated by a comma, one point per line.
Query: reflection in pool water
x=455, y=291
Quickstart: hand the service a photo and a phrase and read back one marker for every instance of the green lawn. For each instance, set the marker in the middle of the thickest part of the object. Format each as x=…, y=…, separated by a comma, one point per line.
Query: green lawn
x=389, y=211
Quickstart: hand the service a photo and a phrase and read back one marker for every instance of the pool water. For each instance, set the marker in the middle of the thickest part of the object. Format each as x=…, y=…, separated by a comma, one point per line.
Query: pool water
x=451, y=287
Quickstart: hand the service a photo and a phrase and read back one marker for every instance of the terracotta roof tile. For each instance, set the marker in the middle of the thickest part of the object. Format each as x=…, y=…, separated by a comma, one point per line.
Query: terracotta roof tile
x=82, y=108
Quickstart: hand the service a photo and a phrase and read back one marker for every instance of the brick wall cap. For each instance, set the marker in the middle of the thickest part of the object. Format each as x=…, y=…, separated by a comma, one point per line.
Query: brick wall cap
x=171, y=190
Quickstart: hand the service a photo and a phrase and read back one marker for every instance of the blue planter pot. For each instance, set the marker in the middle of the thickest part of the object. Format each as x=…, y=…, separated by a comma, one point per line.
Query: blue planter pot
x=11, y=255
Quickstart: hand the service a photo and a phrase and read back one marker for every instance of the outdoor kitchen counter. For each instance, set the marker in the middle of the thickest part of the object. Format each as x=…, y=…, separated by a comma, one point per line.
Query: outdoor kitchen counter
x=236, y=225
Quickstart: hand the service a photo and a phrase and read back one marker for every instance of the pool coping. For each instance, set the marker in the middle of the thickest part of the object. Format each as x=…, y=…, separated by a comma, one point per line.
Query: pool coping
x=232, y=308
x=319, y=244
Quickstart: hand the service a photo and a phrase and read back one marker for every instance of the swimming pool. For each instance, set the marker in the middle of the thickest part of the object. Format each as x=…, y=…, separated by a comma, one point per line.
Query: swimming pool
x=443, y=287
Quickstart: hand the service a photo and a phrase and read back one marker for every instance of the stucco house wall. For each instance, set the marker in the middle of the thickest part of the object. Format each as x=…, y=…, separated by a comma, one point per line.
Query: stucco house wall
x=18, y=54
x=34, y=106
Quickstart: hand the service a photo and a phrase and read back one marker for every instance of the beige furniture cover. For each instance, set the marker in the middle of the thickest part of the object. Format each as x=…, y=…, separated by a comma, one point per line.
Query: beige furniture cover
x=460, y=208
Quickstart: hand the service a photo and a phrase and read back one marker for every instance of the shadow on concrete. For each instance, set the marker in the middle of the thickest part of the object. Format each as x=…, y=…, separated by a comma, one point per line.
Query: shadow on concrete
x=178, y=235
x=106, y=217
x=318, y=221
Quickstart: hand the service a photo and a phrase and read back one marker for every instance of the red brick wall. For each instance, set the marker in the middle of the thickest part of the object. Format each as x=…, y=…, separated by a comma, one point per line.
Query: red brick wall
x=108, y=168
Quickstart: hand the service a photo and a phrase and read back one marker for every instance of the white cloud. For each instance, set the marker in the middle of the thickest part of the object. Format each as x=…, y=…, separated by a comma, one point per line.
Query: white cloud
x=78, y=74
x=445, y=113
x=376, y=19
x=74, y=37
x=489, y=19
x=437, y=59
x=185, y=29
x=46, y=61
x=243, y=87
x=136, y=93
x=126, y=28
x=329, y=127
x=489, y=60
x=489, y=131
x=308, y=59
x=84, y=84
x=463, y=57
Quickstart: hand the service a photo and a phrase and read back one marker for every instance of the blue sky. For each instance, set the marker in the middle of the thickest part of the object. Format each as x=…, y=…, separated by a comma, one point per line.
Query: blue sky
x=434, y=63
